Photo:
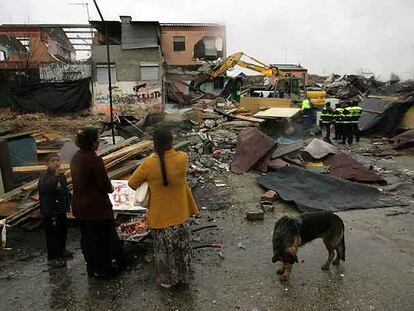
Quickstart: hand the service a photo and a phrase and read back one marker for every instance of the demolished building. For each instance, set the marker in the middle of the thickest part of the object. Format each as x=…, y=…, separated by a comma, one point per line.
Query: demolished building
x=136, y=64
x=38, y=53
x=188, y=49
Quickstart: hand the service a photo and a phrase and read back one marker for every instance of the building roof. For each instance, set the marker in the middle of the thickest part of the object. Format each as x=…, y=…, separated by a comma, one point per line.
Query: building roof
x=288, y=66
x=46, y=25
x=12, y=43
x=190, y=25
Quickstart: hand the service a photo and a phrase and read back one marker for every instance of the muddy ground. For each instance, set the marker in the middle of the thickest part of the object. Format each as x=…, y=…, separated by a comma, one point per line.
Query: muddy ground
x=378, y=273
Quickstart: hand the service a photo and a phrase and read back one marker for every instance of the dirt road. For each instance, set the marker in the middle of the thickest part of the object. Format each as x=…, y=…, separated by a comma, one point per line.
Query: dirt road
x=378, y=273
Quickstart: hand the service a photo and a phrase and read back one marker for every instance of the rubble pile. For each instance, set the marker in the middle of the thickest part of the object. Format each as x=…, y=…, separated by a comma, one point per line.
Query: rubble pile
x=350, y=86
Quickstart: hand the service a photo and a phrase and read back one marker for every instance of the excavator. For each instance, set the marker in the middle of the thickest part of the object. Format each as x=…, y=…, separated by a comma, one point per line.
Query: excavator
x=281, y=82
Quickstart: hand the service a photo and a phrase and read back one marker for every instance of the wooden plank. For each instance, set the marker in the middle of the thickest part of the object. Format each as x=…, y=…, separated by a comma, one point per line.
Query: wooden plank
x=7, y=208
x=135, y=149
x=18, y=135
x=112, y=159
x=247, y=118
x=127, y=142
x=273, y=113
x=33, y=184
x=254, y=104
x=124, y=170
x=35, y=168
x=49, y=150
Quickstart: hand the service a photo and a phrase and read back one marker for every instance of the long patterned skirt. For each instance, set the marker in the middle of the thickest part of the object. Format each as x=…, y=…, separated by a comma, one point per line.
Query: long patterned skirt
x=172, y=254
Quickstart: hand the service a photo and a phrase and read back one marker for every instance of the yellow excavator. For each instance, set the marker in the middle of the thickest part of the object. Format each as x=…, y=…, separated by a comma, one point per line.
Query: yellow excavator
x=235, y=59
x=281, y=81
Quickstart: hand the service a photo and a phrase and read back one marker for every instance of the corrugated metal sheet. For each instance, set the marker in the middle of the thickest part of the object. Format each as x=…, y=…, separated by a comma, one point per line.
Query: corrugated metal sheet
x=139, y=35
x=149, y=71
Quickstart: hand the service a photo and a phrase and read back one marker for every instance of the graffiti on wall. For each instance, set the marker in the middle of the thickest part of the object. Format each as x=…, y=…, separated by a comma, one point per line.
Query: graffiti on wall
x=58, y=72
x=144, y=95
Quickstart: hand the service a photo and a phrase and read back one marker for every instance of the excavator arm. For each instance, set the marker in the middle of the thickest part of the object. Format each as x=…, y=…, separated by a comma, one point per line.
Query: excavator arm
x=235, y=59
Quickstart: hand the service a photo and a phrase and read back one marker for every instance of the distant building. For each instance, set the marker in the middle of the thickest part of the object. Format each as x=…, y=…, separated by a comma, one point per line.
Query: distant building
x=191, y=44
x=296, y=71
x=187, y=49
x=31, y=53
x=136, y=63
x=48, y=44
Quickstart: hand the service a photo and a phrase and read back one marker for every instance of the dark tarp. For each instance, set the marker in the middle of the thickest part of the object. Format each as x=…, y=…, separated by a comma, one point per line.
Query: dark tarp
x=252, y=146
x=344, y=166
x=275, y=164
x=53, y=98
x=403, y=141
x=381, y=117
x=312, y=191
x=290, y=149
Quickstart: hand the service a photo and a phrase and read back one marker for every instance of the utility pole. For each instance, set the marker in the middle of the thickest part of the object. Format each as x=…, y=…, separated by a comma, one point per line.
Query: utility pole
x=108, y=58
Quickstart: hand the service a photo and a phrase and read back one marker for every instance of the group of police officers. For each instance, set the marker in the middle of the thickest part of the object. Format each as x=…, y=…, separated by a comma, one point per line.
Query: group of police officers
x=345, y=118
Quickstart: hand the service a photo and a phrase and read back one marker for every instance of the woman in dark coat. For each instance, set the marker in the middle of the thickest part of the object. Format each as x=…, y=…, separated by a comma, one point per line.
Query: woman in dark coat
x=100, y=244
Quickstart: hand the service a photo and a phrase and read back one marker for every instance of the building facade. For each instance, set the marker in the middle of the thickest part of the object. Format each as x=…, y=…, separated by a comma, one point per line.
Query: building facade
x=296, y=71
x=46, y=43
x=191, y=44
x=188, y=50
x=34, y=53
x=136, y=64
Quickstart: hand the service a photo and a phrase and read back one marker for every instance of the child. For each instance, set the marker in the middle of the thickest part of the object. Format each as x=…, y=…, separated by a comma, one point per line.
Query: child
x=54, y=199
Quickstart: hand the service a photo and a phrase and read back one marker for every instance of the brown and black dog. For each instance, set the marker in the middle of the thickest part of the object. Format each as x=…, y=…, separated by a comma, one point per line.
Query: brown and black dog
x=289, y=233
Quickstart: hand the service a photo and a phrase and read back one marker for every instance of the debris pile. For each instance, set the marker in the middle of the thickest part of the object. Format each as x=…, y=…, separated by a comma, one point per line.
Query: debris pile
x=118, y=159
x=350, y=86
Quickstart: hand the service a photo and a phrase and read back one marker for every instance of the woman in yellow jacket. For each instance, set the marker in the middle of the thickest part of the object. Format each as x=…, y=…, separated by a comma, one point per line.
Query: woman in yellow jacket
x=171, y=205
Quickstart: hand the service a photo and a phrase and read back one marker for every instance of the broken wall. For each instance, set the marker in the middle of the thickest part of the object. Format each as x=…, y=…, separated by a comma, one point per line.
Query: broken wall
x=128, y=70
x=59, y=72
x=129, y=95
x=193, y=35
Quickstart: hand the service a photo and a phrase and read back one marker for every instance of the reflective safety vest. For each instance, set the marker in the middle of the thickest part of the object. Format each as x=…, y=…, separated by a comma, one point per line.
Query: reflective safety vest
x=338, y=115
x=356, y=113
x=327, y=115
x=306, y=104
x=347, y=115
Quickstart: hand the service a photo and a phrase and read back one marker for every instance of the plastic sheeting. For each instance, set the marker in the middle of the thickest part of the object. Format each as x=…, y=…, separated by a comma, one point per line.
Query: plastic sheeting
x=312, y=191
x=54, y=98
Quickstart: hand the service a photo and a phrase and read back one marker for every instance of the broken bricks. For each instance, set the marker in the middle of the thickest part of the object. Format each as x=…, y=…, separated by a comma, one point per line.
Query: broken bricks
x=269, y=196
x=254, y=214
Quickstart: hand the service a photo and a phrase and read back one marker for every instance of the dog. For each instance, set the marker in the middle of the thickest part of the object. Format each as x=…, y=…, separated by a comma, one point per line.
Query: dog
x=290, y=233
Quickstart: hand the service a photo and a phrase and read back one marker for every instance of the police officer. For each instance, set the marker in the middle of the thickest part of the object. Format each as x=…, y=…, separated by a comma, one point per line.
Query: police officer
x=356, y=115
x=347, y=125
x=326, y=120
x=337, y=119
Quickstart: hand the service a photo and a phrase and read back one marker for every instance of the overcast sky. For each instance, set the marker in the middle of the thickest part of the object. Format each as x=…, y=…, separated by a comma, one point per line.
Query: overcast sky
x=343, y=36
